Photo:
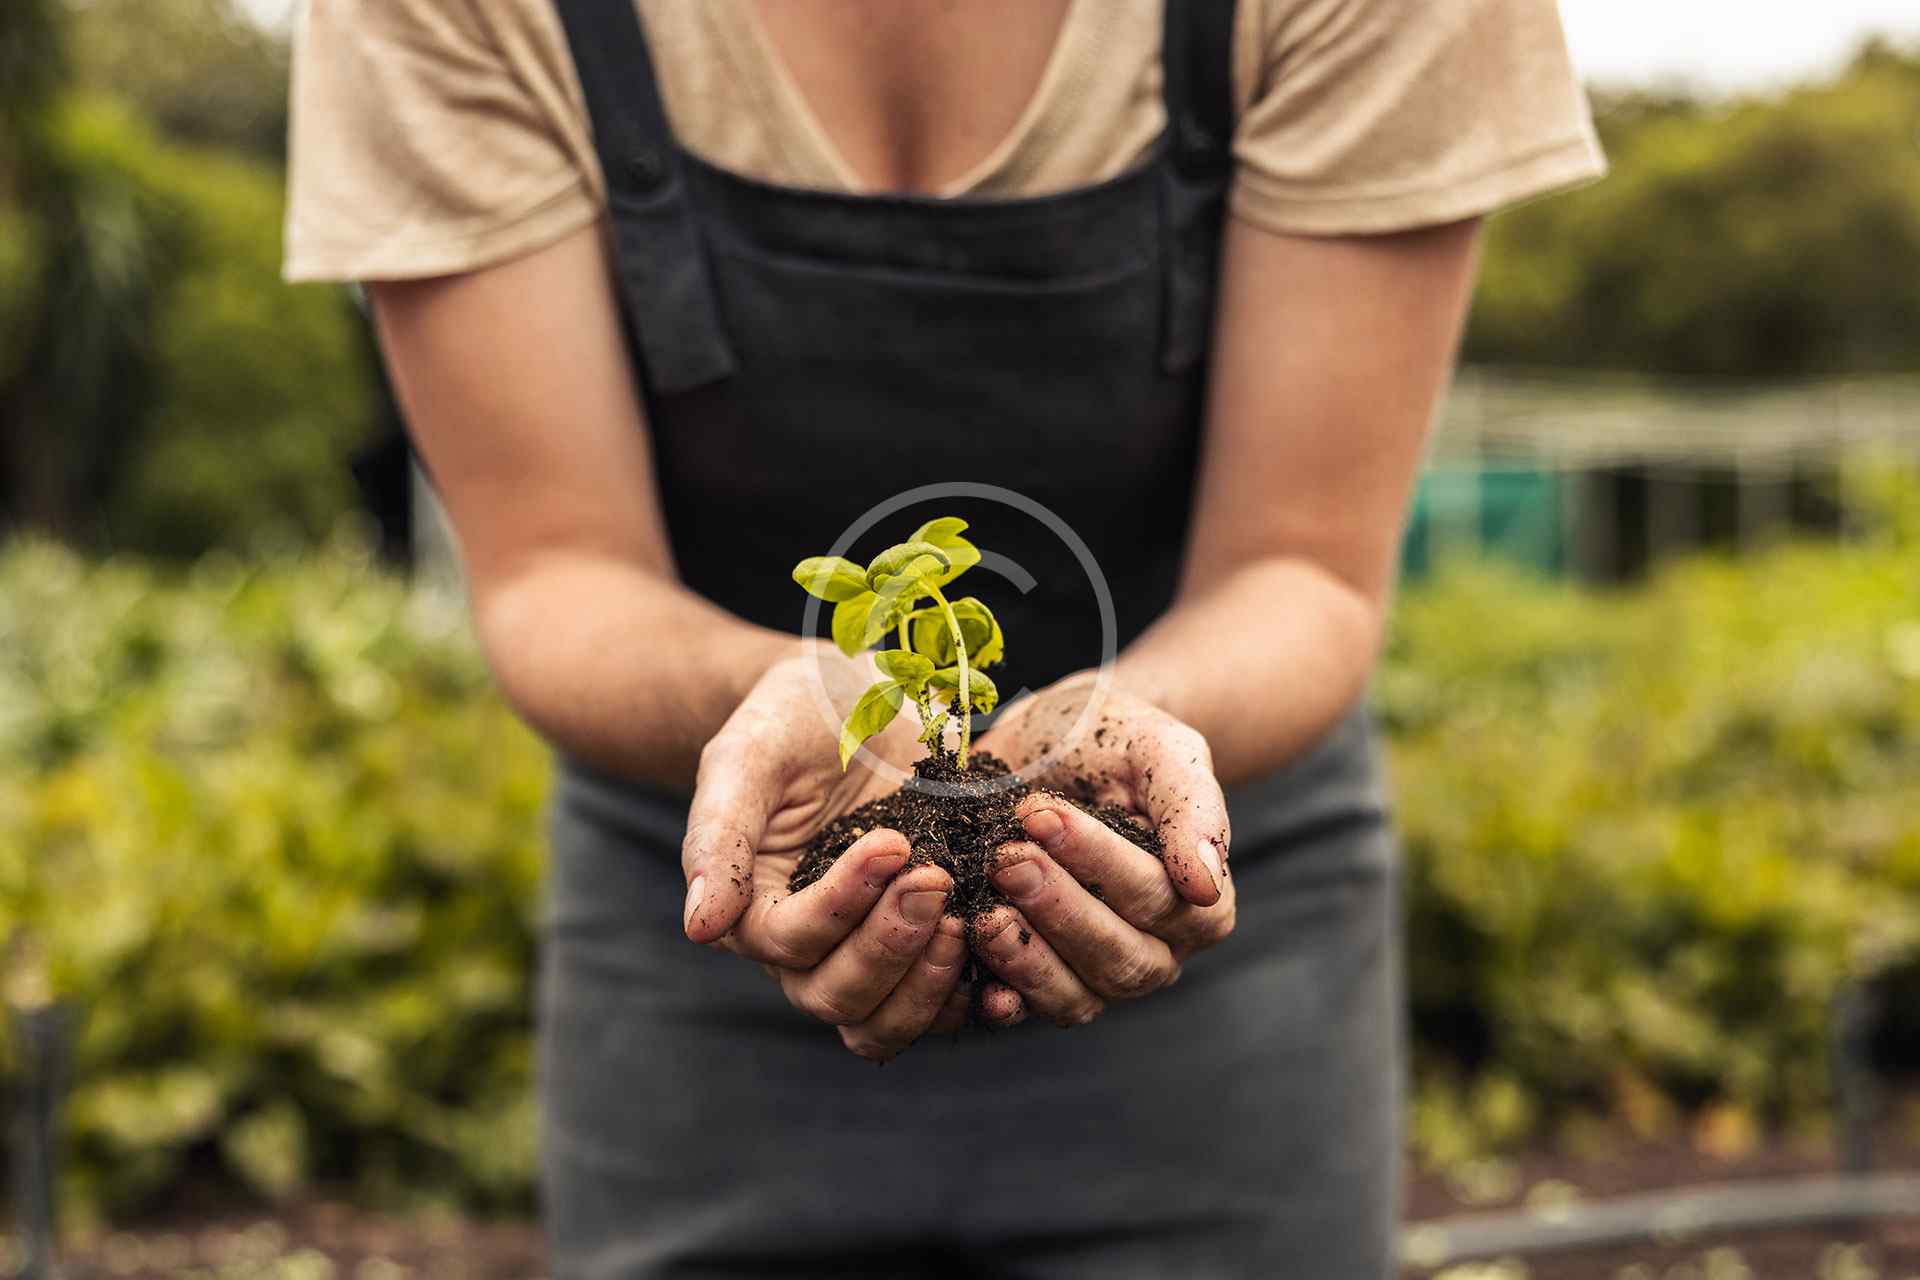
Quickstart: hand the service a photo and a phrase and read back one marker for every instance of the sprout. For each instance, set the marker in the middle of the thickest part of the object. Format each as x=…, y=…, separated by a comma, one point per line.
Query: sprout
x=942, y=647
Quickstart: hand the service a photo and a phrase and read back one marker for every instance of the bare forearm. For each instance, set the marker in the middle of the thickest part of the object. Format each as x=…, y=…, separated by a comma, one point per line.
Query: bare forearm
x=1262, y=662
x=618, y=666
x=1332, y=355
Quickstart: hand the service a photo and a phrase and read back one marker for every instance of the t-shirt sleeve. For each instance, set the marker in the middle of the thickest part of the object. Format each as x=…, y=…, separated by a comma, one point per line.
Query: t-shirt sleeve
x=1361, y=116
x=417, y=148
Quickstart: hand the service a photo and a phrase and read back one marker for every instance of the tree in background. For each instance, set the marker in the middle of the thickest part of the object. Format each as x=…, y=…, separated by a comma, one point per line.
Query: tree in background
x=221, y=83
x=84, y=247
x=1767, y=236
x=160, y=390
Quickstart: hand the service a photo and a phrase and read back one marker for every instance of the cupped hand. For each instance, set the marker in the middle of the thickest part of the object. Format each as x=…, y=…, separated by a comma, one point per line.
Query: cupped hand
x=1093, y=917
x=867, y=947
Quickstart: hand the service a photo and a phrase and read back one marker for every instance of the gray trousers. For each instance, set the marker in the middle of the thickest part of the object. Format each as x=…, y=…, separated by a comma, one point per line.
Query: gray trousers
x=1241, y=1123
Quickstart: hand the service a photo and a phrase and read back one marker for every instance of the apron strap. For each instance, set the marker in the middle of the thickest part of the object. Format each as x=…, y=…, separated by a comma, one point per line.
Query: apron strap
x=665, y=285
x=1196, y=61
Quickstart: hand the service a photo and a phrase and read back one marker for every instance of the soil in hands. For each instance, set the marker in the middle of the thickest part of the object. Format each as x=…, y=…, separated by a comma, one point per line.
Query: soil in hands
x=957, y=819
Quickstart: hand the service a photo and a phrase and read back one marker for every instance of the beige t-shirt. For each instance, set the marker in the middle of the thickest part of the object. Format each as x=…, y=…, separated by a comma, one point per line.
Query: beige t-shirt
x=436, y=136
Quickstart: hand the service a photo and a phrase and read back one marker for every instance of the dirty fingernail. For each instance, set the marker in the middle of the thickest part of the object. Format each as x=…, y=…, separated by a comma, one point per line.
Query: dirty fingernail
x=882, y=866
x=1045, y=826
x=923, y=906
x=1210, y=855
x=695, y=891
x=1019, y=879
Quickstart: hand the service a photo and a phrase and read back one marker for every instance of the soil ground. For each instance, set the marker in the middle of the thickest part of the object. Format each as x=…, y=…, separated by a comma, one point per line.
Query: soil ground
x=1888, y=1249
x=323, y=1240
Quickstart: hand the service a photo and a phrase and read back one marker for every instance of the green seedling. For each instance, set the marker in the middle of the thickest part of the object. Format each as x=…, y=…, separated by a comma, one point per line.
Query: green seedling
x=943, y=645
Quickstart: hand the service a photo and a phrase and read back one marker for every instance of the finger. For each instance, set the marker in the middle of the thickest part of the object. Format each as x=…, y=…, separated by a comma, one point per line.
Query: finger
x=1001, y=1005
x=857, y=975
x=1025, y=962
x=734, y=793
x=952, y=1018
x=798, y=930
x=1173, y=772
x=1132, y=882
x=1114, y=959
x=909, y=1010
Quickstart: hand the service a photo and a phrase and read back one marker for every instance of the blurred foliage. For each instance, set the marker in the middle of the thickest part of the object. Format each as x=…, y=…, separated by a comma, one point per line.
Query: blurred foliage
x=269, y=828
x=199, y=70
x=279, y=841
x=1650, y=835
x=261, y=391
x=160, y=389
x=1764, y=236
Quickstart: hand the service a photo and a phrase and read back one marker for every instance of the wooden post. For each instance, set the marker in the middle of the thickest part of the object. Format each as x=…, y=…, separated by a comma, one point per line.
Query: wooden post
x=40, y=1032
x=1673, y=511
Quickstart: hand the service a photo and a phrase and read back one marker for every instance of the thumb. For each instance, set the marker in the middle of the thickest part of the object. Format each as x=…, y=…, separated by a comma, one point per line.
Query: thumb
x=1184, y=802
x=734, y=794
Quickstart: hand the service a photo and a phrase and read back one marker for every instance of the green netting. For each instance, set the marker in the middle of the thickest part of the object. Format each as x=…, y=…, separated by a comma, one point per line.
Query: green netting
x=1513, y=514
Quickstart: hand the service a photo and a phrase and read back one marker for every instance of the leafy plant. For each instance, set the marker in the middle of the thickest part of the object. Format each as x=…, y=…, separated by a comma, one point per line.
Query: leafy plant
x=943, y=645
x=280, y=841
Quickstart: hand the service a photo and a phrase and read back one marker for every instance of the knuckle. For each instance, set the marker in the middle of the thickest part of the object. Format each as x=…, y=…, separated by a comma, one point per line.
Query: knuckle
x=1211, y=927
x=1135, y=976
x=826, y=1006
x=897, y=941
x=1195, y=743
x=708, y=842
x=1161, y=907
x=782, y=953
x=763, y=939
x=1223, y=923
x=717, y=752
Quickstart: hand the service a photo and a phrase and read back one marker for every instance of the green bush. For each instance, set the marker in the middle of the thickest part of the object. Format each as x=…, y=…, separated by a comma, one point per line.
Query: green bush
x=273, y=833
x=275, y=838
x=262, y=391
x=165, y=392
x=1650, y=836
x=1766, y=236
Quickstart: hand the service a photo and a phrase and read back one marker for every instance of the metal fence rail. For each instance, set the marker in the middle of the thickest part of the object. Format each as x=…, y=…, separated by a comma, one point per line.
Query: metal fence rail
x=1666, y=1217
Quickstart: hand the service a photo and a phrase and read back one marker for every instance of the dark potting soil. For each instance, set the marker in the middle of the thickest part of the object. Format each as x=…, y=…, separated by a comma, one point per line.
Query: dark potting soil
x=960, y=833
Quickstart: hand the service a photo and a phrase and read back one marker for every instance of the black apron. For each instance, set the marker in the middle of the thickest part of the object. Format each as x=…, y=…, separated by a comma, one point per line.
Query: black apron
x=804, y=355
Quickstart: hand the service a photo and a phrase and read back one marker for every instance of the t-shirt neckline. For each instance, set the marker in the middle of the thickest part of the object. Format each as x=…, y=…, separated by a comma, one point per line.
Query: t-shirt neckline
x=785, y=96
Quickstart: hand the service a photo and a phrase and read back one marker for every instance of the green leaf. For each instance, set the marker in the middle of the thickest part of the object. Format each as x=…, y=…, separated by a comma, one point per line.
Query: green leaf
x=944, y=533
x=909, y=559
x=875, y=711
x=940, y=531
x=832, y=578
x=932, y=638
x=893, y=602
x=985, y=694
x=850, y=623
x=910, y=669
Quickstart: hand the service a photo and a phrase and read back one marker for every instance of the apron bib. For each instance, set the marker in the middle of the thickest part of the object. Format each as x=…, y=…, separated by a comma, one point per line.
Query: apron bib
x=803, y=355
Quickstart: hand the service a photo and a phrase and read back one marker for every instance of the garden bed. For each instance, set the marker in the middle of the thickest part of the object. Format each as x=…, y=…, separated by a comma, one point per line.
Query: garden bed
x=329, y=1240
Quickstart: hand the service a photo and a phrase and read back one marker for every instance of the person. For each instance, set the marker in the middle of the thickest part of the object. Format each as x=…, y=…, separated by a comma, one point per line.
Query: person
x=675, y=294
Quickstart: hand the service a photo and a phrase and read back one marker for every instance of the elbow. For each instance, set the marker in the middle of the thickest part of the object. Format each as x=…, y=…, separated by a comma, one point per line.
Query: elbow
x=1350, y=619
x=1356, y=619
x=518, y=626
